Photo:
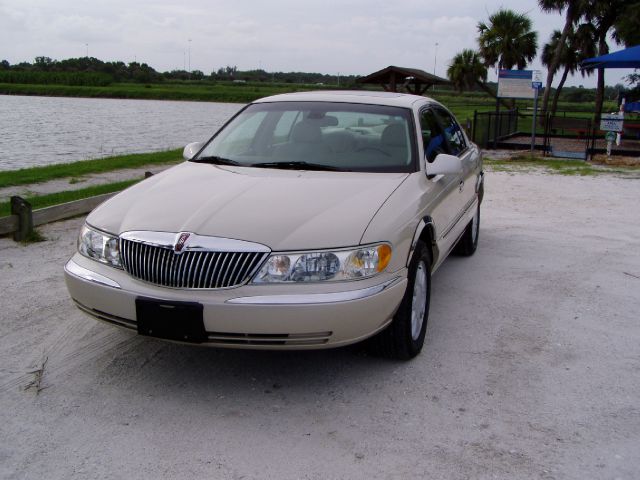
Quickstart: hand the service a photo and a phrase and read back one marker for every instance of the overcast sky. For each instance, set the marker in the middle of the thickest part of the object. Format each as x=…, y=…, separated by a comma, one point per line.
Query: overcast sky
x=327, y=36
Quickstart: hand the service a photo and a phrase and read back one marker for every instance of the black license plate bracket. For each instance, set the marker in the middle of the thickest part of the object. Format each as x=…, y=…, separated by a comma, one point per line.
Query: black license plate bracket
x=179, y=321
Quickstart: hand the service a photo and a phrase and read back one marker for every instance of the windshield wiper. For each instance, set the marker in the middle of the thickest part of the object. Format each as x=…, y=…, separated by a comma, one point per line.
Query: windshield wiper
x=297, y=166
x=218, y=161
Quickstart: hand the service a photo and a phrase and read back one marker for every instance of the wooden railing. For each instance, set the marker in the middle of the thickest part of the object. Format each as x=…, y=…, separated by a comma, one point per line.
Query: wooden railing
x=23, y=218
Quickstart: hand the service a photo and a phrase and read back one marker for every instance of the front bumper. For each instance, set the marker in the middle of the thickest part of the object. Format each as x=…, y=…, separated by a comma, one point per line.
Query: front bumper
x=292, y=316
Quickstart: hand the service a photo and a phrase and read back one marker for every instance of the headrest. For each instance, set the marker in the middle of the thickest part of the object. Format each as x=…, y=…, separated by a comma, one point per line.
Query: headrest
x=306, y=132
x=395, y=135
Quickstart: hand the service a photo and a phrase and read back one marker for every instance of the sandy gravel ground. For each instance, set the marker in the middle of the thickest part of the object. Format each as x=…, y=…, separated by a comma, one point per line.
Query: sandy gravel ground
x=531, y=368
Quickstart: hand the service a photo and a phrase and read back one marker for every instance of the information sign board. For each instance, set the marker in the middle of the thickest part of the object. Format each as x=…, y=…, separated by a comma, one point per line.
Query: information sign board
x=611, y=122
x=515, y=84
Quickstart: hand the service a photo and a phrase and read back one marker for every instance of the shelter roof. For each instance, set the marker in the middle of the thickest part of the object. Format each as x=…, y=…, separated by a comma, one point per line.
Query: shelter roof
x=416, y=81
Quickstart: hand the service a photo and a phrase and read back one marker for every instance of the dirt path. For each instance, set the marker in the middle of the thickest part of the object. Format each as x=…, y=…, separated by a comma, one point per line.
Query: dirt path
x=530, y=368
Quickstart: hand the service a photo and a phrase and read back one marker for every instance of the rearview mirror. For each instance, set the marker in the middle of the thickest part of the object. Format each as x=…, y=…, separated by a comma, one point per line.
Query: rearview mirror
x=190, y=150
x=444, y=164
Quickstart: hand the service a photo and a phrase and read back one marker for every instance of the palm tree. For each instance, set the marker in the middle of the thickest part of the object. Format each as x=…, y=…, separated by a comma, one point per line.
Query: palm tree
x=507, y=40
x=467, y=70
x=626, y=27
x=603, y=14
x=579, y=46
x=574, y=11
x=626, y=31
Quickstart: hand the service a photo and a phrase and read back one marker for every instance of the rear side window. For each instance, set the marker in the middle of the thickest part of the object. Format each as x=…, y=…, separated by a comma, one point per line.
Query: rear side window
x=452, y=132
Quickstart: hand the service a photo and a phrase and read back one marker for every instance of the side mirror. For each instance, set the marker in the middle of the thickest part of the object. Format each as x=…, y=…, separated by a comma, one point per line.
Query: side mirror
x=444, y=164
x=190, y=150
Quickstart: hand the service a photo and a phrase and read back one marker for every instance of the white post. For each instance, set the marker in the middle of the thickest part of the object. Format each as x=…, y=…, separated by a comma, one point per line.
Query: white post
x=533, y=122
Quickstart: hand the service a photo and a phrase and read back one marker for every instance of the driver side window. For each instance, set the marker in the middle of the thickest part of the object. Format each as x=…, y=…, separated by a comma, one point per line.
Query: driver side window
x=455, y=138
x=432, y=136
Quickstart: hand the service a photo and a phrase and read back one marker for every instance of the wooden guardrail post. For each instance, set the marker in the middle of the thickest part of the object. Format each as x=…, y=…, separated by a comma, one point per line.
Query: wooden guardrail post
x=22, y=208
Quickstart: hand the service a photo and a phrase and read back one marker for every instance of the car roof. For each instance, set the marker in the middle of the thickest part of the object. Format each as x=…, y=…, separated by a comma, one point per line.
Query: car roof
x=350, y=96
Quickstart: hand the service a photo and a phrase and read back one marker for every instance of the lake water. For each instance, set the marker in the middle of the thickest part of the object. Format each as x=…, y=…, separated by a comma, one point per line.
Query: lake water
x=47, y=130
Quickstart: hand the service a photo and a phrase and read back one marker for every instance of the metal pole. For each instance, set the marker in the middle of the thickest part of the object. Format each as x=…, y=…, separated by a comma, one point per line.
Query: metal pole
x=189, y=58
x=475, y=122
x=488, y=130
x=533, y=123
x=435, y=59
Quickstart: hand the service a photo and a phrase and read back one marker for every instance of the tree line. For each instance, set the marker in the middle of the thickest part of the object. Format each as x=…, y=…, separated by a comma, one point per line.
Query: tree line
x=93, y=71
x=507, y=41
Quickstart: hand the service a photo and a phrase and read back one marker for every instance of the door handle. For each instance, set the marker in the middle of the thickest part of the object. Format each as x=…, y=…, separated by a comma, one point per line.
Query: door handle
x=461, y=186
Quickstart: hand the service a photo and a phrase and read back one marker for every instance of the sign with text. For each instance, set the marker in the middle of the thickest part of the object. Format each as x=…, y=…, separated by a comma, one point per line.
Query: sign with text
x=611, y=122
x=536, y=79
x=515, y=84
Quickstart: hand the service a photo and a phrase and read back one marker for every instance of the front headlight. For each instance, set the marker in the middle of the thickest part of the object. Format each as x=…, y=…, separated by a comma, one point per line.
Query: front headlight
x=351, y=264
x=99, y=246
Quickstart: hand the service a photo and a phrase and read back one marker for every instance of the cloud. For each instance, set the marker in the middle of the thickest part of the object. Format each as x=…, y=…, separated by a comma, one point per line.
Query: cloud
x=351, y=37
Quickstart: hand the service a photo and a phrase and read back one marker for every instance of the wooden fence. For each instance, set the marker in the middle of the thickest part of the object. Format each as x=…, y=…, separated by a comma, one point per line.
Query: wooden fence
x=24, y=219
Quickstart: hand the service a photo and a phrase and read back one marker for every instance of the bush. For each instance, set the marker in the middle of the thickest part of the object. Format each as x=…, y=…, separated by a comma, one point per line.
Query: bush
x=56, y=78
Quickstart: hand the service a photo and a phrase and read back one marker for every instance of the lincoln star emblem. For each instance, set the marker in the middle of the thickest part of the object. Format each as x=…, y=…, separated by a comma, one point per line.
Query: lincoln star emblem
x=182, y=240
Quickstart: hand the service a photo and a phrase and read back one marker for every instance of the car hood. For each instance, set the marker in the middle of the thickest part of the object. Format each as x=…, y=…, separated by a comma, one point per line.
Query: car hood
x=282, y=209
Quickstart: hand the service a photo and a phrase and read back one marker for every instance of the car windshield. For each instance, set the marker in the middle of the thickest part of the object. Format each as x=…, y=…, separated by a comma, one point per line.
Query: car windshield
x=316, y=136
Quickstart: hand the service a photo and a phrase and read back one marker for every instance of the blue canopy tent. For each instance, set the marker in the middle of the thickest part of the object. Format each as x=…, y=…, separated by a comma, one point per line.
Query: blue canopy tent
x=632, y=107
x=628, y=58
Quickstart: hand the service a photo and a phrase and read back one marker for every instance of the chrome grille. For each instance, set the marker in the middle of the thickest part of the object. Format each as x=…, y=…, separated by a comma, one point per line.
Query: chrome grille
x=190, y=269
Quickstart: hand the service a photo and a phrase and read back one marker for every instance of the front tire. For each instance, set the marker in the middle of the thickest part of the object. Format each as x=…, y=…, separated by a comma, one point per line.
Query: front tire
x=404, y=337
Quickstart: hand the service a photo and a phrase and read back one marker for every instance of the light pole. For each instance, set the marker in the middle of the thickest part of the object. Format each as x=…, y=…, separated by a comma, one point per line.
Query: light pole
x=189, y=58
x=435, y=63
x=87, y=45
x=435, y=59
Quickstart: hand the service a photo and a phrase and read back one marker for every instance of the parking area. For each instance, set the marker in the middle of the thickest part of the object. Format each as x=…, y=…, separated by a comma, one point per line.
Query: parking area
x=531, y=367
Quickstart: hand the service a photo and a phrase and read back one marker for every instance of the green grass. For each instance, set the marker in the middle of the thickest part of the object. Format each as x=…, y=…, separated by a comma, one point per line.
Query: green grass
x=76, y=169
x=34, y=237
x=59, y=78
x=219, y=92
x=528, y=163
x=462, y=105
x=43, y=201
